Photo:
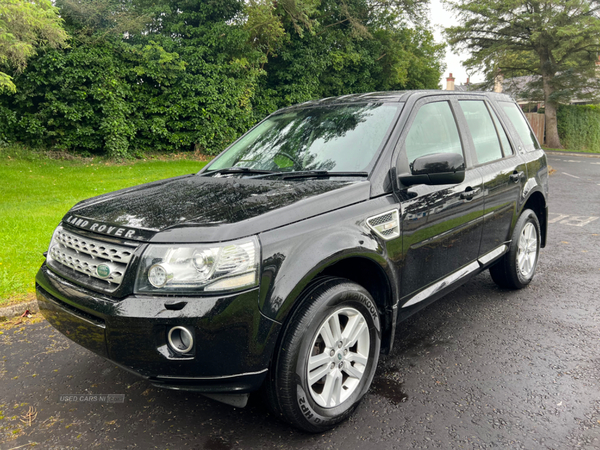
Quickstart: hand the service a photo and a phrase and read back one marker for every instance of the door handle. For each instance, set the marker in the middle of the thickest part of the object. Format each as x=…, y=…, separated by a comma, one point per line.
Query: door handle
x=469, y=193
x=517, y=176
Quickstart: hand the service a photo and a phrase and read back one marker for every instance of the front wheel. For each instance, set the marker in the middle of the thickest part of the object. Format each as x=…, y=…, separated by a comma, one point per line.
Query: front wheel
x=516, y=268
x=327, y=357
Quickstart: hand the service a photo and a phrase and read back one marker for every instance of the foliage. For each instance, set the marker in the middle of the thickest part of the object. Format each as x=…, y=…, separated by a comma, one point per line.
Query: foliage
x=264, y=27
x=558, y=40
x=579, y=126
x=24, y=26
x=195, y=74
x=209, y=103
x=76, y=99
x=112, y=95
x=113, y=17
x=351, y=46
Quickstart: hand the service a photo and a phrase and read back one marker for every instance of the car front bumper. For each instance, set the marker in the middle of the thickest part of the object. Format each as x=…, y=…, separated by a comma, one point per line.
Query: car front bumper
x=233, y=341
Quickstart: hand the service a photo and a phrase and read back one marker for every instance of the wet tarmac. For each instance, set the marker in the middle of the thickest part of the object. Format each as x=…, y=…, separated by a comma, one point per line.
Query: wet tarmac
x=481, y=368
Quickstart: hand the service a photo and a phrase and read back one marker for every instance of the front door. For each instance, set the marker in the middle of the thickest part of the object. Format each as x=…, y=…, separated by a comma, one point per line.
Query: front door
x=441, y=225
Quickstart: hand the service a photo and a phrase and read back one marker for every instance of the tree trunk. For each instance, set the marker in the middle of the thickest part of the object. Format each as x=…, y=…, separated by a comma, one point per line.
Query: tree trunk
x=550, y=106
x=552, y=139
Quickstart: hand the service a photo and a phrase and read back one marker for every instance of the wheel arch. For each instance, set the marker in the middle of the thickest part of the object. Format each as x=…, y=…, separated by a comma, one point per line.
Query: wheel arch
x=364, y=270
x=537, y=203
x=370, y=275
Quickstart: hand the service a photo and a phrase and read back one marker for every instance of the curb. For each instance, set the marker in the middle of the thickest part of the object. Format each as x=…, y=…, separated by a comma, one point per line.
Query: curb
x=585, y=155
x=8, y=312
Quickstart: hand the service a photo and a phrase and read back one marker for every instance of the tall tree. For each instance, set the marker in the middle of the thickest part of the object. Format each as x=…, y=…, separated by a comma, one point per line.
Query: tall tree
x=322, y=48
x=558, y=40
x=25, y=26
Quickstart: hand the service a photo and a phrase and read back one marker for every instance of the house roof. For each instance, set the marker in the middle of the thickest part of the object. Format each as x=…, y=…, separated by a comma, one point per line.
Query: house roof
x=525, y=89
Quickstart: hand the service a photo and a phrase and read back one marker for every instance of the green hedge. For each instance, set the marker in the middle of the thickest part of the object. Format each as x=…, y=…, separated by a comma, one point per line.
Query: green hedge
x=114, y=96
x=579, y=126
x=198, y=73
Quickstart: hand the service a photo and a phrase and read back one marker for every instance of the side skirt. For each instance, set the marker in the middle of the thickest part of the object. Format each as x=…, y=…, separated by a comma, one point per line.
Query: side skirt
x=449, y=283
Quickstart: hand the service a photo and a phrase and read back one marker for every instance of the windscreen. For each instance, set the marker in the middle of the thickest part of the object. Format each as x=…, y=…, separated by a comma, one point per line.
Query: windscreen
x=341, y=138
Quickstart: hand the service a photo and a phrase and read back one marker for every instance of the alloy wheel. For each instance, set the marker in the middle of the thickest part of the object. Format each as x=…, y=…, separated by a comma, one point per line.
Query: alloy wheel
x=527, y=250
x=339, y=355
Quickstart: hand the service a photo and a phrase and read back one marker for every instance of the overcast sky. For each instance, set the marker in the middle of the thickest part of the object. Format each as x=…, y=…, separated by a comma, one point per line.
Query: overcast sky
x=441, y=18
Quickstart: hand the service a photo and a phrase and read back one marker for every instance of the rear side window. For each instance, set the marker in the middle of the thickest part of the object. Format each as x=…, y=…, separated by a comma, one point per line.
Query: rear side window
x=483, y=131
x=434, y=130
x=503, y=137
x=520, y=123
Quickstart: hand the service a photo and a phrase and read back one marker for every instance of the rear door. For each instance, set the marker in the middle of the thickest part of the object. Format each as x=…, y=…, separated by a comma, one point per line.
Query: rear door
x=441, y=225
x=503, y=171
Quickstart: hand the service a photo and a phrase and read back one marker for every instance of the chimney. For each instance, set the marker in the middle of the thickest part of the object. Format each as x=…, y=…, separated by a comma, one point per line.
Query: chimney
x=498, y=82
x=450, y=83
x=467, y=81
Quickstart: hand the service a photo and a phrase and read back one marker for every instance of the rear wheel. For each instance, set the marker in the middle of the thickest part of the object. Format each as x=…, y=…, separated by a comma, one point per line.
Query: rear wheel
x=516, y=268
x=327, y=357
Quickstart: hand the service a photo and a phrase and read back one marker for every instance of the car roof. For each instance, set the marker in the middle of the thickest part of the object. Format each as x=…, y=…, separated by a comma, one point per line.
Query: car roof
x=393, y=97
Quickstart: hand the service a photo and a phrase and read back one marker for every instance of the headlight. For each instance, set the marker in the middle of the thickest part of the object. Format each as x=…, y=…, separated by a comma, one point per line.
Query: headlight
x=195, y=268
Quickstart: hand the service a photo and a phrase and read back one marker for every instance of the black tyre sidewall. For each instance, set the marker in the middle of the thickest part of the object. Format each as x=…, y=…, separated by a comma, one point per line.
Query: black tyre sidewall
x=343, y=294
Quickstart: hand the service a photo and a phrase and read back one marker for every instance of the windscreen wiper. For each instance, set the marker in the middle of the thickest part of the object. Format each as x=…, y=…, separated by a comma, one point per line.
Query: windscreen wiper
x=238, y=170
x=318, y=174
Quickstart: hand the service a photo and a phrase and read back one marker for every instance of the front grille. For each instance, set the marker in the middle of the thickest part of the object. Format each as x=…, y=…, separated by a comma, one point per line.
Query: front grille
x=84, y=254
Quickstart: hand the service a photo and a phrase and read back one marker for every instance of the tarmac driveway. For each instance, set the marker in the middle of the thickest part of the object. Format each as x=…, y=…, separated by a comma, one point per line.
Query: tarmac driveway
x=481, y=368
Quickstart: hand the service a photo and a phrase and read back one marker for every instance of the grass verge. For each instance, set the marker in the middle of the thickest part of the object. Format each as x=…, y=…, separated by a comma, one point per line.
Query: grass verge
x=570, y=150
x=36, y=192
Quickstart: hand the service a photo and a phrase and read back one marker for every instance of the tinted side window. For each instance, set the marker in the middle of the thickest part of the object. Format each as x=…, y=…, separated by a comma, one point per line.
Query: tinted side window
x=434, y=130
x=520, y=123
x=503, y=137
x=482, y=130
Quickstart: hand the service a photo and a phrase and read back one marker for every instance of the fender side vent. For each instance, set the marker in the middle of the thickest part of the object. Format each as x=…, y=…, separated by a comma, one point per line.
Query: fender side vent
x=386, y=225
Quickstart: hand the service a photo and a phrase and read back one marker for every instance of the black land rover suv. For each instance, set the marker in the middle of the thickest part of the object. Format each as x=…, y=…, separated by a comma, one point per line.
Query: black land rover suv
x=289, y=260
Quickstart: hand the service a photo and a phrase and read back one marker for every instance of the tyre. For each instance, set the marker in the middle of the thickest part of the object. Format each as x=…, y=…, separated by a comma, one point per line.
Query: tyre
x=327, y=356
x=516, y=268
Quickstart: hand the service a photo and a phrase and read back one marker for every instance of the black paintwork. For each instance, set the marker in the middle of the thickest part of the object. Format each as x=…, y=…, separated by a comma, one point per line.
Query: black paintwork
x=307, y=227
x=435, y=169
x=219, y=209
x=230, y=332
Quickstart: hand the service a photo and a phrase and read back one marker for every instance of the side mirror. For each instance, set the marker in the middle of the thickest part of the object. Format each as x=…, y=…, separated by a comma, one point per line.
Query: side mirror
x=436, y=168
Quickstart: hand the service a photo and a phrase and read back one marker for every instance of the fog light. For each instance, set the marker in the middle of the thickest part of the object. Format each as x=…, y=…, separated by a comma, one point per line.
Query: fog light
x=180, y=339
